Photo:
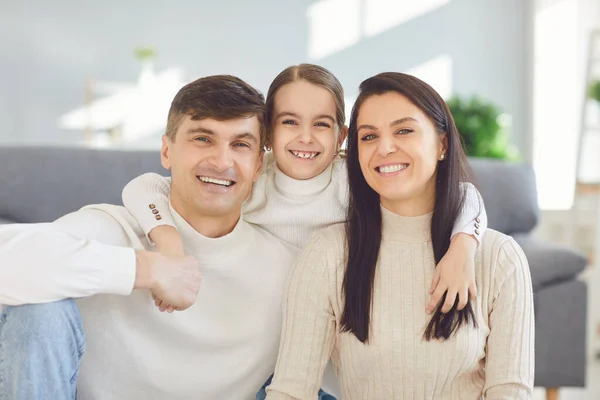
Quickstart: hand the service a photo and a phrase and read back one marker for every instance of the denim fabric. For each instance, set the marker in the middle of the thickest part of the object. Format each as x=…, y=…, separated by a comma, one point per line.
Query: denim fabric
x=262, y=393
x=41, y=347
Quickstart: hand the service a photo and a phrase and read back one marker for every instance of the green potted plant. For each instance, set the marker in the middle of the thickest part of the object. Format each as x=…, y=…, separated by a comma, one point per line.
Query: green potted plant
x=483, y=128
x=594, y=91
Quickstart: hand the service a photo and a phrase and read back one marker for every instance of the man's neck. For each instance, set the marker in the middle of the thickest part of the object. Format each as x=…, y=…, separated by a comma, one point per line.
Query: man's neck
x=208, y=225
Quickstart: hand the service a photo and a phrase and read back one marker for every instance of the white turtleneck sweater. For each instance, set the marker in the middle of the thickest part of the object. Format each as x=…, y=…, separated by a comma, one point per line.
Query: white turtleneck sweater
x=223, y=347
x=290, y=209
x=494, y=360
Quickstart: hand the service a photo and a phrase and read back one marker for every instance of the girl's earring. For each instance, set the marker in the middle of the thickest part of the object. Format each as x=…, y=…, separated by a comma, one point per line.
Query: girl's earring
x=442, y=157
x=269, y=148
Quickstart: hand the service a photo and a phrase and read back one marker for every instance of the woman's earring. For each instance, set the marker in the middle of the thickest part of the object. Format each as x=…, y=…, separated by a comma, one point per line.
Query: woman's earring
x=269, y=148
x=442, y=157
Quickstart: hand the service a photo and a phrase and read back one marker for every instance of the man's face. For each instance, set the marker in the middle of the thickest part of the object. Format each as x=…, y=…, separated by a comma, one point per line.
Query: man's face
x=213, y=165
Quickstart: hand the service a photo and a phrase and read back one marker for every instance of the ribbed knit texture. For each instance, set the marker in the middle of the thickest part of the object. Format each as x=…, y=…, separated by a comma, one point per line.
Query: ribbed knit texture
x=495, y=360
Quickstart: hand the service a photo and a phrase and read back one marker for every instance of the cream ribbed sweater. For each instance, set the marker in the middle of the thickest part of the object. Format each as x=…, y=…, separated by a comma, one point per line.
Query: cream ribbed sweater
x=495, y=360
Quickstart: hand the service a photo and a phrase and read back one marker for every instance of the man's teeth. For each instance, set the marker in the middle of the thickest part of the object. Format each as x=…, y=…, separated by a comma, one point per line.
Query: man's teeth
x=216, y=181
x=392, y=168
x=303, y=154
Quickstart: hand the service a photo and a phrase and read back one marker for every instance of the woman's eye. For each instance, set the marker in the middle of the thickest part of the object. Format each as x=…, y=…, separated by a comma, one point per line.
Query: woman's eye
x=242, y=145
x=289, y=122
x=404, y=131
x=368, y=137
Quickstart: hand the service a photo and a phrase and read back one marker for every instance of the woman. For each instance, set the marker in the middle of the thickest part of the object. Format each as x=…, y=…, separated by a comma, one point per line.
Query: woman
x=350, y=299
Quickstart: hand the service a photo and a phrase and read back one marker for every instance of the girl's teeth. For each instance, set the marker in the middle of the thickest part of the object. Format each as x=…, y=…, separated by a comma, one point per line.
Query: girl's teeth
x=392, y=168
x=216, y=181
x=302, y=154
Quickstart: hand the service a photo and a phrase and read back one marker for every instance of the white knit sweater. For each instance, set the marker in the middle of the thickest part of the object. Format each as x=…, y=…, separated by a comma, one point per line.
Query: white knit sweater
x=223, y=347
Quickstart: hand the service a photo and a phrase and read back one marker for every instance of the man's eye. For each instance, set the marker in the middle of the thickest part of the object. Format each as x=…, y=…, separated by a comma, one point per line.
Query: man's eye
x=242, y=145
x=201, y=139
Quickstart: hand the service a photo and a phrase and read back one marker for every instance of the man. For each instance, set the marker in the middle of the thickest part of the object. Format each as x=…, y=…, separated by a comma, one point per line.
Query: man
x=223, y=346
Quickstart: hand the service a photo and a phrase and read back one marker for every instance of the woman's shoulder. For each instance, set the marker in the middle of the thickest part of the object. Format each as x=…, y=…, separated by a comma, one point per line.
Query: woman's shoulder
x=502, y=256
x=332, y=237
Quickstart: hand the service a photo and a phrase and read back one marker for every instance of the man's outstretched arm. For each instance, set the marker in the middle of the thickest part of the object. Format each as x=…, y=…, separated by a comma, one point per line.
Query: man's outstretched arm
x=81, y=254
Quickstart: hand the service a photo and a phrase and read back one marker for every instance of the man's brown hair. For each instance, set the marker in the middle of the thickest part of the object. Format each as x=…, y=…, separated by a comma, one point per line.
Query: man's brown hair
x=220, y=97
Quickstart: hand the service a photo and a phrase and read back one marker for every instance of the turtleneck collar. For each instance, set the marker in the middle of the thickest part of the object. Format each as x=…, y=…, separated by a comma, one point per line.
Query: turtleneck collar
x=306, y=187
x=213, y=250
x=406, y=229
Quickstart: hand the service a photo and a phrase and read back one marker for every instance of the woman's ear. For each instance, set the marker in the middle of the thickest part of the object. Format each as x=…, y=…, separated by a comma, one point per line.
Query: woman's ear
x=443, y=145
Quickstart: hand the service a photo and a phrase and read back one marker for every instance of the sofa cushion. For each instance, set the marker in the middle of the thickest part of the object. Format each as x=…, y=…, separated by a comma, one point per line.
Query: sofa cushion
x=41, y=184
x=509, y=194
x=550, y=263
x=4, y=221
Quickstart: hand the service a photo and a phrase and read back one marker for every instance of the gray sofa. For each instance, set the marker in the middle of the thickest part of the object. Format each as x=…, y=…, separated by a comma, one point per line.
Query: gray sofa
x=39, y=184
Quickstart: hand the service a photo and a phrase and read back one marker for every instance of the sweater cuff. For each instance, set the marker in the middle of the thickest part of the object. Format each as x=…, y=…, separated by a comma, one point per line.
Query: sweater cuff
x=118, y=274
x=147, y=199
x=472, y=219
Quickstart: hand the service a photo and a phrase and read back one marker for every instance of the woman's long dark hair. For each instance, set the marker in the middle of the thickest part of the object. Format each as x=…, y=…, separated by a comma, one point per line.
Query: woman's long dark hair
x=363, y=223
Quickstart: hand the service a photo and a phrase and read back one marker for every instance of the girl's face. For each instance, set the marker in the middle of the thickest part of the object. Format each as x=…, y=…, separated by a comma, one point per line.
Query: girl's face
x=398, y=150
x=305, y=133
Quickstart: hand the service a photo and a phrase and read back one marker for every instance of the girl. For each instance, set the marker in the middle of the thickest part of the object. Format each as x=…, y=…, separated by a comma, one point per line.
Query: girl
x=357, y=288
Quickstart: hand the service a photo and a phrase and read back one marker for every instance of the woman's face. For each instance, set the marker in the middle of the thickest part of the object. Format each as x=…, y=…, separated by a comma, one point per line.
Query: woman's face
x=305, y=133
x=398, y=151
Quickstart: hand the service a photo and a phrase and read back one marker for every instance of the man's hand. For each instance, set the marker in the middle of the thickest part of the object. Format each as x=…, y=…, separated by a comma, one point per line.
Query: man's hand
x=455, y=274
x=173, y=279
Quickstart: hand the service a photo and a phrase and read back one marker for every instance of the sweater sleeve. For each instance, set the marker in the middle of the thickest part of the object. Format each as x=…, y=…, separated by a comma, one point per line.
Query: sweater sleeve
x=509, y=368
x=78, y=255
x=472, y=219
x=147, y=199
x=308, y=330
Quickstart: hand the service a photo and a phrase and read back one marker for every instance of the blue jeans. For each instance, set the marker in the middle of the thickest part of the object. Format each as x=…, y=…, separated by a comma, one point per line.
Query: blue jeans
x=40, y=351
x=262, y=394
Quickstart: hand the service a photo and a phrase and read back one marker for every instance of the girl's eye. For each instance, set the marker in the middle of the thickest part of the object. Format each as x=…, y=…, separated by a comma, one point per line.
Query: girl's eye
x=368, y=137
x=323, y=124
x=289, y=122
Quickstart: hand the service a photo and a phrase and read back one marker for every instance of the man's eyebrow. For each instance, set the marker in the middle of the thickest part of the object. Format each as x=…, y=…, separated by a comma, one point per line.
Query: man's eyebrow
x=206, y=131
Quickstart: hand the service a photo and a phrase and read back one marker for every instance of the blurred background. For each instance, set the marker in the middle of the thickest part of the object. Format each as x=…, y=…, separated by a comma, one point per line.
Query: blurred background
x=521, y=78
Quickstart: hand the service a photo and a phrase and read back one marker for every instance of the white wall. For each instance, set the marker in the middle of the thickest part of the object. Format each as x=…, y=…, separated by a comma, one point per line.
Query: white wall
x=49, y=49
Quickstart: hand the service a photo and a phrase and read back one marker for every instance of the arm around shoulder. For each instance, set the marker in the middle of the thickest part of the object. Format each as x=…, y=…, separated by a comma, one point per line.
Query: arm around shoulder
x=147, y=199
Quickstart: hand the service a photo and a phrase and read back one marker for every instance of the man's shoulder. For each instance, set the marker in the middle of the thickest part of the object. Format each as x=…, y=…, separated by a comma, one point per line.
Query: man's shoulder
x=114, y=215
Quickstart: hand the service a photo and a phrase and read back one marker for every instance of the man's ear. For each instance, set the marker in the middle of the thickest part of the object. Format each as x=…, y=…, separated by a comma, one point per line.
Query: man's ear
x=165, y=152
x=343, y=136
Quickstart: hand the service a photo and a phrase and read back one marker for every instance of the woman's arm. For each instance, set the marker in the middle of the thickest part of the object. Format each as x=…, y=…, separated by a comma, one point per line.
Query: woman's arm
x=509, y=367
x=308, y=329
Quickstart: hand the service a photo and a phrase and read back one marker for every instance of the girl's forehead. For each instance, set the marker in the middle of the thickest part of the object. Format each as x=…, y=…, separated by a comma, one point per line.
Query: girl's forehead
x=302, y=97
